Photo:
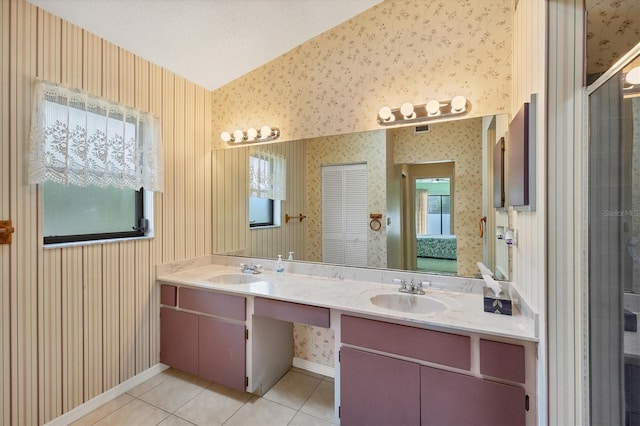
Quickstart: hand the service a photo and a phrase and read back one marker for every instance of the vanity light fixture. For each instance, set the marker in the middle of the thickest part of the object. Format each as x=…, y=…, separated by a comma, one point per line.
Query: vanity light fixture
x=633, y=76
x=265, y=134
x=409, y=113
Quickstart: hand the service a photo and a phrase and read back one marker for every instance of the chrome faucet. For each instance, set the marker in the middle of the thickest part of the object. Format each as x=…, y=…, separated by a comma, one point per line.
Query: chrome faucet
x=250, y=268
x=410, y=287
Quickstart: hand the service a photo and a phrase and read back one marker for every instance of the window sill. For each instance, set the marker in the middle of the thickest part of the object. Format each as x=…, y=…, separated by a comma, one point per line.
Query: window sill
x=94, y=242
x=255, y=228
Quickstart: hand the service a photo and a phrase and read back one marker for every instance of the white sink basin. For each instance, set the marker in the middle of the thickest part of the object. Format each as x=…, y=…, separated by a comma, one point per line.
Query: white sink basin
x=410, y=303
x=234, y=279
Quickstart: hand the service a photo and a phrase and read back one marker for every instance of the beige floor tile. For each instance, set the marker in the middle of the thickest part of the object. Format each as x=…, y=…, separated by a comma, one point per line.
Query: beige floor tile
x=174, y=421
x=261, y=412
x=308, y=373
x=102, y=412
x=150, y=383
x=174, y=392
x=213, y=406
x=320, y=403
x=137, y=413
x=292, y=390
x=304, y=419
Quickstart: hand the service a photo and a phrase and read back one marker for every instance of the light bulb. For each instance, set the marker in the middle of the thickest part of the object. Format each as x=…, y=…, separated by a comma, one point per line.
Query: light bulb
x=385, y=114
x=251, y=133
x=225, y=136
x=265, y=132
x=633, y=76
x=433, y=107
x=458, y=104
x=238, y=136
x=407, y=111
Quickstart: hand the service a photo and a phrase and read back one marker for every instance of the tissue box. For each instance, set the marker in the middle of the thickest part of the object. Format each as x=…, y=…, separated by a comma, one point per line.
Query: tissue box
x=501, y=304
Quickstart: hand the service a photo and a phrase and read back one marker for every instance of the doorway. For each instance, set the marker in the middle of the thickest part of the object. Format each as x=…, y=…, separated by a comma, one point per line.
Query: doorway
x=429, y=235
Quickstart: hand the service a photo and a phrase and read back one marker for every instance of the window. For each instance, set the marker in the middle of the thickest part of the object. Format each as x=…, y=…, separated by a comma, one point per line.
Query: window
x=73, y=213
x=267, y=188
x=93, y=158
x=439, y=213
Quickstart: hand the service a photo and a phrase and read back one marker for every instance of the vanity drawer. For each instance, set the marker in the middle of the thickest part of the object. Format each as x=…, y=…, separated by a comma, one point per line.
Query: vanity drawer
x=502, y=360
x=427, y=345
x=293, y=312
x=207, y=302
x=168, y=295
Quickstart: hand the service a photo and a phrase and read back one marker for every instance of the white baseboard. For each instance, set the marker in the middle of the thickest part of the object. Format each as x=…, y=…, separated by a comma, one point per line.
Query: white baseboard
x=314, y=367
x=98, y=401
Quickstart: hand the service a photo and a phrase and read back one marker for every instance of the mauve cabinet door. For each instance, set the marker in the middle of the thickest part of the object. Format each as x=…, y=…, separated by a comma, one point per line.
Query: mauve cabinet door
x=179, y=340
x=455, y=399
x=378, y=390
x=222, y=352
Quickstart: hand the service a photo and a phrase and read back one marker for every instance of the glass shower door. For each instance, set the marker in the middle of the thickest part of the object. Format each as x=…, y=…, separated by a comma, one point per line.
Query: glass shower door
x=614, y=250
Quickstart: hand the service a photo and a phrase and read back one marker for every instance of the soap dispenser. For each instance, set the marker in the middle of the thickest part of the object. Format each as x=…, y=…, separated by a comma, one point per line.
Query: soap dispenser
x=290, y=256
x=279, y=265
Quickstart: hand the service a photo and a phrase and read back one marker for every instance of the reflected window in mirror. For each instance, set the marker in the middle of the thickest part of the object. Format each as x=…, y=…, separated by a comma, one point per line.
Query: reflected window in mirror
x=261, y=212
x=267, y=188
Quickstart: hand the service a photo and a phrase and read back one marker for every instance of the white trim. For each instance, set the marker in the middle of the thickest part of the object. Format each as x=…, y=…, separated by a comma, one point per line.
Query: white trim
x=615, y=68
x=105, y=397
x=314, y=367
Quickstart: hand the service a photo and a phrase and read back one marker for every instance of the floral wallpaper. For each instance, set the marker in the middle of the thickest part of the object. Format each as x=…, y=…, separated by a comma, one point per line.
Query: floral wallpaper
x=398, y=51
x=613, y=28
x=362, y=147
x=461, y=142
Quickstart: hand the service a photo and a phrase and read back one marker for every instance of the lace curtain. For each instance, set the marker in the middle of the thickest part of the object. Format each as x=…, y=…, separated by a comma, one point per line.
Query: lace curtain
x=267, y=175
x=78, y=139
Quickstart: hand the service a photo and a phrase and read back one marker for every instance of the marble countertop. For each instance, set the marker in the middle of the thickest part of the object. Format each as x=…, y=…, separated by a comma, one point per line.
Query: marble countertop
x=464, y=309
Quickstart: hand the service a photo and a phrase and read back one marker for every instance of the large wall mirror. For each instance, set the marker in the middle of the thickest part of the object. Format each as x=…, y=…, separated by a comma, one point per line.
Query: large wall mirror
x=426, y=199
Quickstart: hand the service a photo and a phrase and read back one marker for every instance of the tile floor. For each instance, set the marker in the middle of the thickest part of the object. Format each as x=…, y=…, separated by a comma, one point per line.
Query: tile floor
x=300, y=398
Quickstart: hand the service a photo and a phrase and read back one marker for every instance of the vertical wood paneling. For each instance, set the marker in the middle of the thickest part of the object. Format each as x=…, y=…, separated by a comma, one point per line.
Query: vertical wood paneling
x=530, y=257
x=72, y=335
x=92, y=320
x=5, y=212
x=111, y=315
x=168, y=195
x=51, y=350
x=127, y=310
x=179, y=154
x=76, y=321
x=566, y=364
x=23, y=210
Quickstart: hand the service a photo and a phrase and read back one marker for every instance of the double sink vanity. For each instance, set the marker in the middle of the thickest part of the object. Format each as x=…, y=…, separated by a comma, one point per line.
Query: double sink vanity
x=400, y=358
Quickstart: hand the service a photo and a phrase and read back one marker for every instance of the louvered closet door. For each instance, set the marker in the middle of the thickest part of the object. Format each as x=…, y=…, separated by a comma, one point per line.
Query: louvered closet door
x=344, y=214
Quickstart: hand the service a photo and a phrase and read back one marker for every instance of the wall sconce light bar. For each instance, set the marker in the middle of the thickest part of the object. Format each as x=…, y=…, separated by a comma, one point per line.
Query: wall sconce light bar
x=409, y=113
x=251, y=135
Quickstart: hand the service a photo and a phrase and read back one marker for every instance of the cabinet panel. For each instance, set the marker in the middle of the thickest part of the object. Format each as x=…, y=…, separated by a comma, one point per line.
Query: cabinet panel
x=208, y=302
x=378, y=390
x=168, y=295
x=222, y=352
x=502, y=360
x=455, y=399
x=293, y=312
x=179, y=340
x=427, y=345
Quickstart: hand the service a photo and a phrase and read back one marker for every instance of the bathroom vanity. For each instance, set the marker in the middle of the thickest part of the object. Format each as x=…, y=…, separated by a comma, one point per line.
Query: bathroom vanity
x=432, y=359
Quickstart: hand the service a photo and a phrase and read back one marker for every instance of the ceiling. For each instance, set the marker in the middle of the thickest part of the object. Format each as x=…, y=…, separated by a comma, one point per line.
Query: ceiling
x=209, y=42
